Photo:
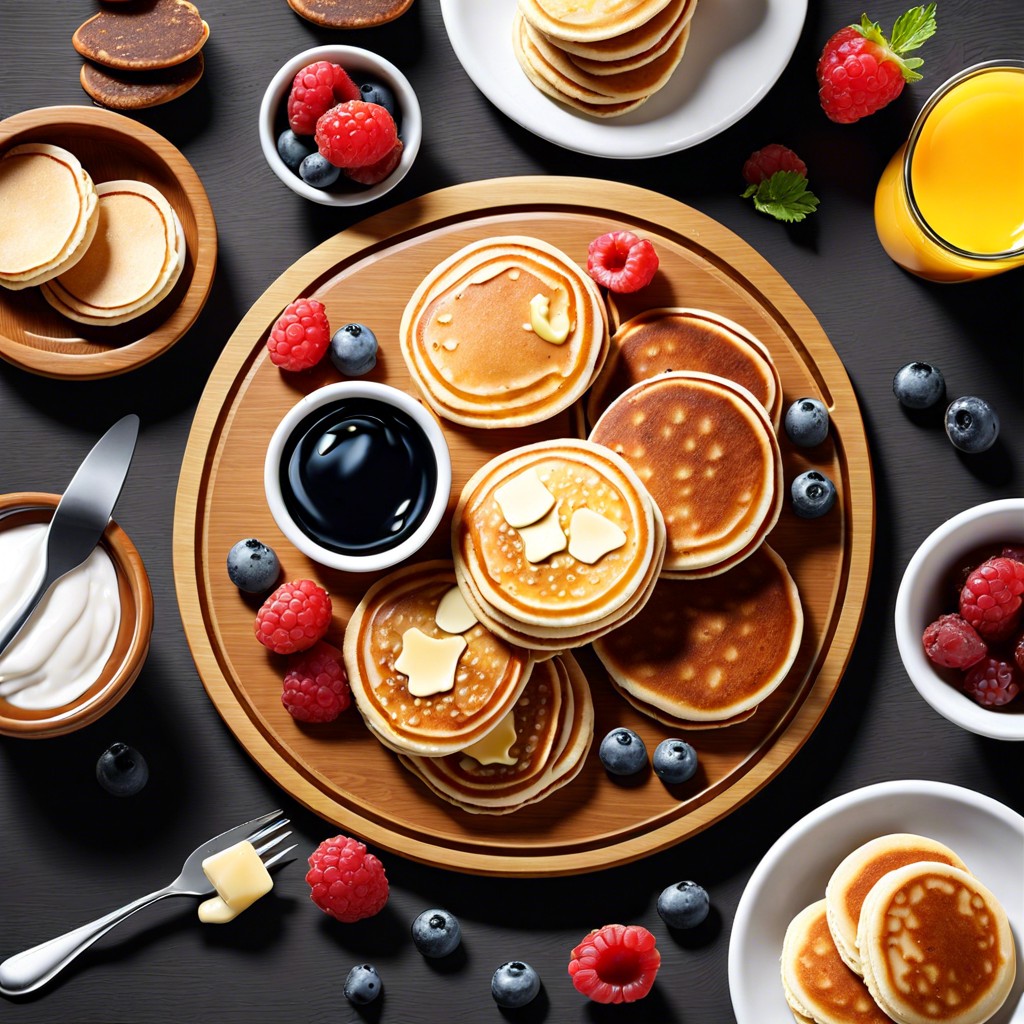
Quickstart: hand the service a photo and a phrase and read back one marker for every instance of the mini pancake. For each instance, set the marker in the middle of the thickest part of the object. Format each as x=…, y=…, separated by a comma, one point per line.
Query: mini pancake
x=819, y=987
x=706, y=651
x=595, y=20
x=708, y=454
x=138, y=90
x=349, y=13
x=48, y=207
x=676, y=338
x=857, y=873
x=142, y=36
x=935, y=946
x=659, y=45
x=489, y=675
x=554, y=728
x=472, y=344
x=635, y=42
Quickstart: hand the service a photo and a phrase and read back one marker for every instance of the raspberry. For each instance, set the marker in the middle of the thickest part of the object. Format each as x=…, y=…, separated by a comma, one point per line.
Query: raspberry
x=316, y=686
x=300, y=337
x=382, y=169
x=953, y=642
x=294, y=617
x=763, y=163
x=345, y=880
x=621, y=262
x=615, y=964
x=993, y=682
x=991, y=598
x=356, y=134
x=315, y=89
x=860, y=71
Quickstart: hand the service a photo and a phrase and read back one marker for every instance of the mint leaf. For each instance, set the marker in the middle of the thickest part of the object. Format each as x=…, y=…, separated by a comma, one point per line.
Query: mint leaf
x=785, y=196
x=913, y=28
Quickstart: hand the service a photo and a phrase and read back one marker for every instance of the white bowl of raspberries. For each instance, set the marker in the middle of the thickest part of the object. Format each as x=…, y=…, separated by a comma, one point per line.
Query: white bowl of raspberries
x=339, y=125
x=960, y=619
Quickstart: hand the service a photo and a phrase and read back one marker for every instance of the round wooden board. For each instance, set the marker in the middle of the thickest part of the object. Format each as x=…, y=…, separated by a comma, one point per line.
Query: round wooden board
x=366, y=274
x=110, y=146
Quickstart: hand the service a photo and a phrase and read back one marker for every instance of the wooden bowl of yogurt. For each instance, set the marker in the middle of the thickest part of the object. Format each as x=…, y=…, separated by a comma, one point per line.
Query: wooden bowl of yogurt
x=88, y=638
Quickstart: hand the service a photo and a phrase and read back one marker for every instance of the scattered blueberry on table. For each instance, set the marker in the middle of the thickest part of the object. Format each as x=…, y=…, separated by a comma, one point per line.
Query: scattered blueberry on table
x=436, y=933
x=684, y=905
x=121, y=770
x=919, y=385
x=515, y=984
x=363, y=985
x=971, y=424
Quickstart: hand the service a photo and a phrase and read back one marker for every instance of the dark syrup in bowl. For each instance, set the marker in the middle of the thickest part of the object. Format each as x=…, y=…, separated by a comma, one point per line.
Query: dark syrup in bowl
x=358, y=476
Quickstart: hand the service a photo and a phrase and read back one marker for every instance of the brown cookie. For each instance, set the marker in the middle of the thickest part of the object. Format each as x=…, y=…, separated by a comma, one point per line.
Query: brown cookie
x=135, y=90
x=349, y=13
x=142, y=36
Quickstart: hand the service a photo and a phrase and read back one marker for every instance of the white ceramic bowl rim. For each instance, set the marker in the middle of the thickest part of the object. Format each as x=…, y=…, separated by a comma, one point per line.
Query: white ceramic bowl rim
x=325, y=396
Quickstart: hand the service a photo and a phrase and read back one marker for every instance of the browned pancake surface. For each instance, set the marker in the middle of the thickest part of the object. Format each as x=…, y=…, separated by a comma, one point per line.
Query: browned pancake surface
x=138, y=90
x=349, y=13
x=142, y=36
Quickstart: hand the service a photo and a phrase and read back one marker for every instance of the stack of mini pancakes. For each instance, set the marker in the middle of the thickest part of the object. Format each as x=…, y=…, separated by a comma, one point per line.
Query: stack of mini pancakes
x=604, y=58
x=474, y=717
x=905, y=933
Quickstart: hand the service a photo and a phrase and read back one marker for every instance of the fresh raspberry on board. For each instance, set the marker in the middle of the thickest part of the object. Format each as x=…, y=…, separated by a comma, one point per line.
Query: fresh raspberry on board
x=356, y=134
x=615, y=964
x=316, y=686
x=993, y=682
x=300, y=337
x=860, y=71
x=764, y=162
x=380, y=170
x=345, y=880
x=294, y=617
x=991, y=598
x=315, y=89
x=953, y=642
x=622, y=262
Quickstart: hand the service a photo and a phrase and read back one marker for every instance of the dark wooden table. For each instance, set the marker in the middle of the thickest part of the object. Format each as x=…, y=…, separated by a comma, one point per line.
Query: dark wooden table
x=70, y=852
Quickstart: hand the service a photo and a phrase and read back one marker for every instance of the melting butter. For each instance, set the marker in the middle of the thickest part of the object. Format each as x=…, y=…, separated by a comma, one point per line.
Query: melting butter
x=453, y=615
x=496, y=746
x=549, y=315
x=524, y=499
x=429, y=664
x=592, y=536
x=543, y=539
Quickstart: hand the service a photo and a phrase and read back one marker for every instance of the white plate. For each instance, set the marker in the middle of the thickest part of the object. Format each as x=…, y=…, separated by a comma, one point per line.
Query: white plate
x=987, y=835
x=737, y=49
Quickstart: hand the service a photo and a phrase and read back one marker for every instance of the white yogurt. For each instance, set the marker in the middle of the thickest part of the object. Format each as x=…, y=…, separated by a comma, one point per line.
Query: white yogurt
x=63, y=647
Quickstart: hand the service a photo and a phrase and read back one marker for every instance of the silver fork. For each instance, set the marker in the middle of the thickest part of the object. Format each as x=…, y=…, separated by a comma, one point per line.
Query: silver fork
x=25, y=972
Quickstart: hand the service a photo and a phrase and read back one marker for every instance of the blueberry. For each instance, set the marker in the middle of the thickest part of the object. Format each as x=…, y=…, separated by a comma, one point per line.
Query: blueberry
x=252, y=566
x=684, y=905
x=674, y=761
x=354, y=350
x=436, y=933
x=971, y=424
x=622, y=752
x=293, y=149
x=318, y=171
x=122, y=770
x=806, y=422
x=362, y=985
x=381, y=94
x=515, y=984
x=918, y=385
x=813, y=494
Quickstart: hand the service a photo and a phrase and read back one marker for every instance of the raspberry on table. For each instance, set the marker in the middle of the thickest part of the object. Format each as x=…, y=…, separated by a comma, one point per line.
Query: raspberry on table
x=953, y=642
x=622, y=262
x=764, y=162
x=356, y=134
x=300, y=337
x=993, y=682
x=316, y=686
x=377, y=172
x=615, y=964
x=294, y=617
x=315, y=89
x=345, y=880
x=991, y=598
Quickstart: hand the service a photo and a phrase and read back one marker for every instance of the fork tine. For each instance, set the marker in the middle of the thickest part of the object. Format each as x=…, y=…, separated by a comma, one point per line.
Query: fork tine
x=277, y=856
x=267, y=830
x=268, y=846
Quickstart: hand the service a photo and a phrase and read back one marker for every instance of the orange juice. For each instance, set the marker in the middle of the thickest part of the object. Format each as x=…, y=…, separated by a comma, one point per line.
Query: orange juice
x=950, y=205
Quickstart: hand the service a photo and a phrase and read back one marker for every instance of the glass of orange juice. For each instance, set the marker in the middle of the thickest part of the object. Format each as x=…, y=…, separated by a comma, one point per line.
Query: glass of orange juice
x=950, y=204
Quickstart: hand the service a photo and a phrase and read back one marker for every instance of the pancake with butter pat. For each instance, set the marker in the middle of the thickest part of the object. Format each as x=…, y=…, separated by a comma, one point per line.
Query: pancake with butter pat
x=487, y=352
x=708, y=454
x=819, y=987
x=487, y=678
x=590, y=21
x=861, y=869
x=935, y=946
x=552, y=727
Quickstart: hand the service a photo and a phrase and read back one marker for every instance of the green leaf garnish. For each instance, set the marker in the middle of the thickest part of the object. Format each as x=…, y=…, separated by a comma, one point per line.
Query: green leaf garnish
x=785, y=196
x=910, y=31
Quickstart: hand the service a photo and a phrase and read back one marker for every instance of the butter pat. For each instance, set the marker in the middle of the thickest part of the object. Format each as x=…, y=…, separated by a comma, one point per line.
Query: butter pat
x=453, y=615
x=549, y=317
x=544, y=539
x=429, y=664
x=240, y=878
x=524, y=499
x=592, y=536
x=496, y=746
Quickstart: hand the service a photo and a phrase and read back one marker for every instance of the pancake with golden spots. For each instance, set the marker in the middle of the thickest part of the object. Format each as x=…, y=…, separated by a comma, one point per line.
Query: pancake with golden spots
x=631, y=49
x=590, y=21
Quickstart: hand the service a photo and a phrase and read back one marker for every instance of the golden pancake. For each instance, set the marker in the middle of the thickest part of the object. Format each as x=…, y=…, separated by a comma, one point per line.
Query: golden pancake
x=635, y=42
x=709, y=650
x=659, y=45
x=487, y=679
x=553, y=730
x=857, y=873
x=819, y=987
x=660, y=340
x=708, y=454
x=349, y=13
x=586, y=22
x=935, y=946
x=142, y=36
x=139, y=90
x=471, y=335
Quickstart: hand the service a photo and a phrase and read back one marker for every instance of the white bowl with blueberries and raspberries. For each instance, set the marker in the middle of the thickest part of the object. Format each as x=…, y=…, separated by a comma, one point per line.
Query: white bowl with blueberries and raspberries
x=964, y=656
x=344, y=134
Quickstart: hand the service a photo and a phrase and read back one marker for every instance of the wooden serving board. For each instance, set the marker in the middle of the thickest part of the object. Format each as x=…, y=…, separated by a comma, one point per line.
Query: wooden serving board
x=367, y=274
